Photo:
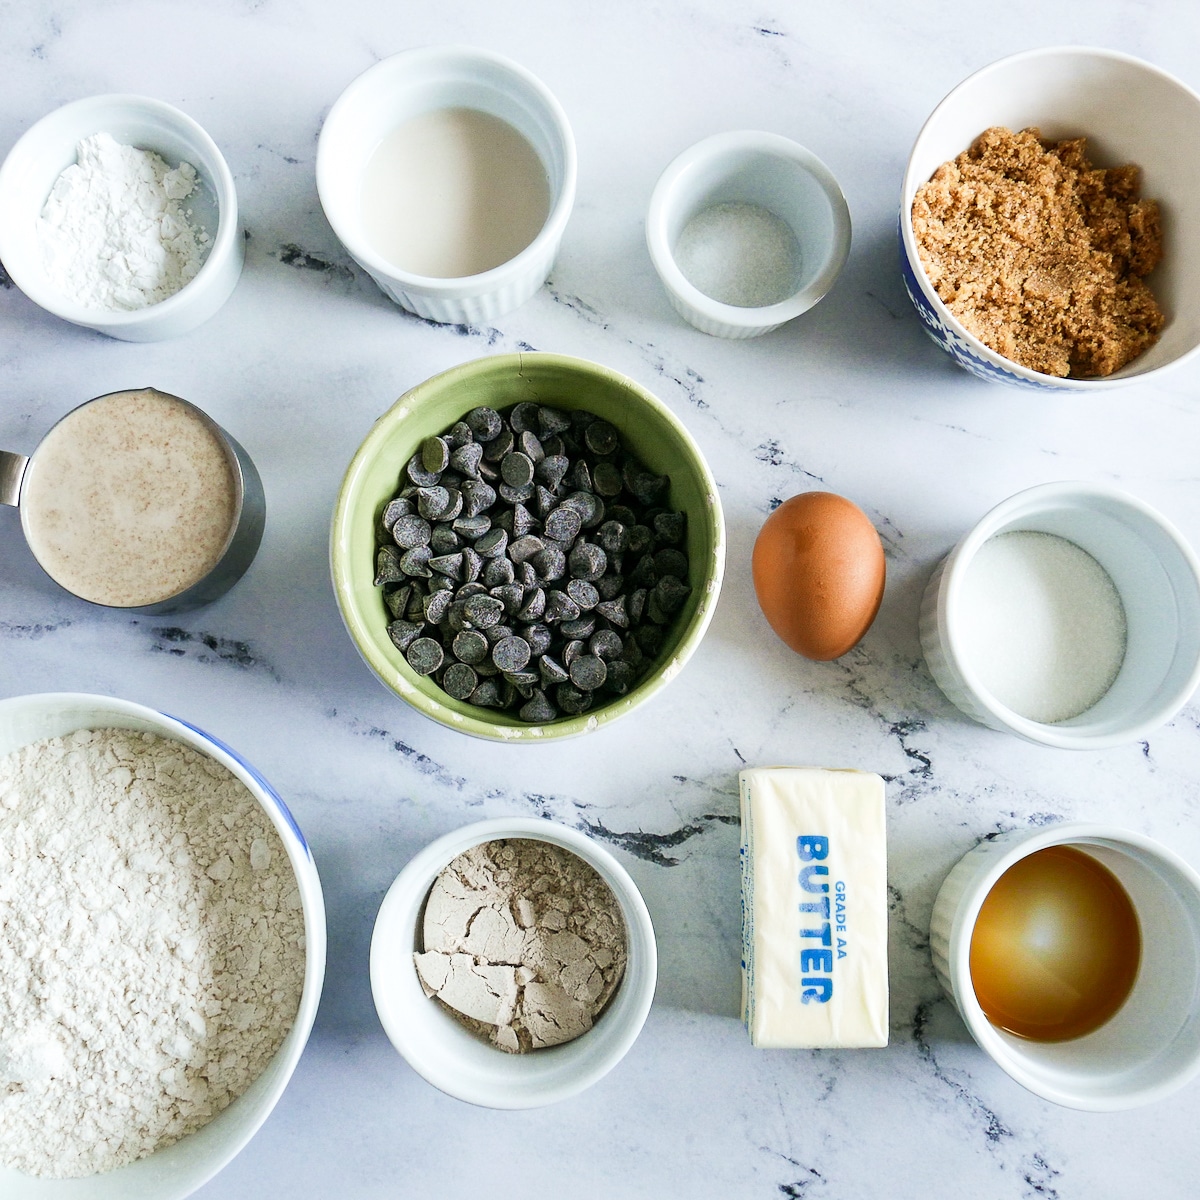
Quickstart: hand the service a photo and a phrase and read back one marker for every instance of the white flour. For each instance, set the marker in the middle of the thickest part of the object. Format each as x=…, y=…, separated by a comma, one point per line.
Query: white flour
x=151, y=948
x=113, y=231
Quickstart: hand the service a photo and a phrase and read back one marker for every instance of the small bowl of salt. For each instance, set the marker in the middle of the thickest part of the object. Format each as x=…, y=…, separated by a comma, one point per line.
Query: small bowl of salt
x=1069, y=615
x=747, y=230
x=119, y=213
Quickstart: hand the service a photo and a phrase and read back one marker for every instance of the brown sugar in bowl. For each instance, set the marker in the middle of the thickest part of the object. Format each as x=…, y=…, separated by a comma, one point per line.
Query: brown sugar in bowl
x=1131, y=112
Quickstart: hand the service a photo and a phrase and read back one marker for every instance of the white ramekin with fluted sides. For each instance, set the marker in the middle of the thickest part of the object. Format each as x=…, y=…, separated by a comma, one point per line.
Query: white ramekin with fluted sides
x=46, y=149
x=422, y=80
x=1156, y=574
x=750, y=167
x=180, y=1169
x=441, y=1050
x=1151, y=1047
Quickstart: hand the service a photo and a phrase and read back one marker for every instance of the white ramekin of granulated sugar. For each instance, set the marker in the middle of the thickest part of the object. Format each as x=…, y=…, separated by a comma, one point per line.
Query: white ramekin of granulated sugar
x=1069, y=615
x=456, y=1060
x=80, y=251
x=176, y=1170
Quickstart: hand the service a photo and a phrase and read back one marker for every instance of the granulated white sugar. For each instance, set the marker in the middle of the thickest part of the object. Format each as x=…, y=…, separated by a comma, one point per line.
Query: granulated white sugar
x=151, y=948
x=1043, y=625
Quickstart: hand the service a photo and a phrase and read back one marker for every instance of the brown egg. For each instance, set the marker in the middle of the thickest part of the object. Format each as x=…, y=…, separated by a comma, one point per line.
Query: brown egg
x=819, y=573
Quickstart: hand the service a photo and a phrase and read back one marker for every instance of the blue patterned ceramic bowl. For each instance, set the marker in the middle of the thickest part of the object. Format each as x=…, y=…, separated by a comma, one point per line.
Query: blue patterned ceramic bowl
x=1130, y=112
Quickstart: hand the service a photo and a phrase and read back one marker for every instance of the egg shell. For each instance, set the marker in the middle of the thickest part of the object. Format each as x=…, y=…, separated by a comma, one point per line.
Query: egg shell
x=819, y=573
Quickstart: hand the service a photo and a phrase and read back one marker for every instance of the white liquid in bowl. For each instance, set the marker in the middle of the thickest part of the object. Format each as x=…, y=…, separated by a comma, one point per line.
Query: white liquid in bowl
x=452, y=193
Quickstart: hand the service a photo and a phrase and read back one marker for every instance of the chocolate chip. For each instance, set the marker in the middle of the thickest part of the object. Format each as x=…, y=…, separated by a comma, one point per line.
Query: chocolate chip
x=483, y=611
x=587, y=561
x=459, y=681
x=435, y=455
x=564, y=524
x=415, y=470
x=411, y=531
x=537, y=710
x=484, y=423
x=511, y=654
x=404, y=633
x=470, y=646
x=601, y=438
x=424, y=656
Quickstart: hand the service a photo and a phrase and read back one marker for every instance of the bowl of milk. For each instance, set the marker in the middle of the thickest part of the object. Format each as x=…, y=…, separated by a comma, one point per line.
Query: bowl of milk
x=448, y=173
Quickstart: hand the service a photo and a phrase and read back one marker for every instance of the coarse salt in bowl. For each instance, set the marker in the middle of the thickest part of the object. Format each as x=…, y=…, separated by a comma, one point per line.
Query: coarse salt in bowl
x=1156, y=575
x=453, y=1059
x=178, y=1170
x=47, y=148
x=779, y=181
x=1130, y=112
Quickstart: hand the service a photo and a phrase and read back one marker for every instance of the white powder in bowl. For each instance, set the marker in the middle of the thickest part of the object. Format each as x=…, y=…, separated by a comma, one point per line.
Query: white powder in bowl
x=1043, y=625
x=114, y=232
x=151, y=948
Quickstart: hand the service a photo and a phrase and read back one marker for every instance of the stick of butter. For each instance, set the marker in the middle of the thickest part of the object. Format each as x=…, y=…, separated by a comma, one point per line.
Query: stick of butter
x=814, y=907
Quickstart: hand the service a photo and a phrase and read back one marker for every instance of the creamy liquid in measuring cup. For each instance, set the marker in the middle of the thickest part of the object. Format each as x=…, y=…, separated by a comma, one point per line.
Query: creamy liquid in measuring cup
x=453, y=192
x=130, y=499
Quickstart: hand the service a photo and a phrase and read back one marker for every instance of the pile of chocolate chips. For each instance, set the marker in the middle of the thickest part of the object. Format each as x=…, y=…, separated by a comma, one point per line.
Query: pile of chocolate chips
x=528, y=564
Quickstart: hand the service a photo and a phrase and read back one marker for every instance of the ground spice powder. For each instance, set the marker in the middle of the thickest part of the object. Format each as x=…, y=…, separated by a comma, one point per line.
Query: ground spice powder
x=524, y=943
x=1041, y=255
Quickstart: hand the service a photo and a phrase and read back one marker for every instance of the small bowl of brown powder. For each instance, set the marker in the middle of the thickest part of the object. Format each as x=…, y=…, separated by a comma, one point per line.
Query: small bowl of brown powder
x=1050, y=221
x=513, y=963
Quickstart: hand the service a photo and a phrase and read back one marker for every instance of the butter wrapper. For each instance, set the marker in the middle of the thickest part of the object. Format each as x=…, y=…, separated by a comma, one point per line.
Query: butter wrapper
x=814, y=907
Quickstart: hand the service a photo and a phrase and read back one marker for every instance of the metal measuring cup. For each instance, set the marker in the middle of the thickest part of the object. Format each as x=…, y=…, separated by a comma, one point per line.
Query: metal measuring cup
x=246, y=497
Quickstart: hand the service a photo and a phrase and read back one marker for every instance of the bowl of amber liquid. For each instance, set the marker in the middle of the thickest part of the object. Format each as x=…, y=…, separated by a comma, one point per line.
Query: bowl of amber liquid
x=1073, y=955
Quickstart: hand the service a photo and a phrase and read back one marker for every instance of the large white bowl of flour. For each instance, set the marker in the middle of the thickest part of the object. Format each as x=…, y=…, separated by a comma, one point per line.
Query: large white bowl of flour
x=188, y=832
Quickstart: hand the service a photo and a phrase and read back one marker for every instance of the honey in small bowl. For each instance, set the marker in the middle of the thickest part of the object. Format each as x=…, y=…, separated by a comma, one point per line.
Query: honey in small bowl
x=1056, y=946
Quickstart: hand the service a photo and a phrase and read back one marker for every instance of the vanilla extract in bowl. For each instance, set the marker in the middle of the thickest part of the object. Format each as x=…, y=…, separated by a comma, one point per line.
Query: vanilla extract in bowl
x=1056, y=946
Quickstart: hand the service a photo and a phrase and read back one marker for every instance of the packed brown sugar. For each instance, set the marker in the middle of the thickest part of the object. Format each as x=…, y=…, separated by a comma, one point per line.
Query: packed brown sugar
x=1041, y=255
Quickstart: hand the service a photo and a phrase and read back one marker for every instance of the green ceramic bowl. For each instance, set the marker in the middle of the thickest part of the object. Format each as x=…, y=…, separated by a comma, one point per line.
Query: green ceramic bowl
x=651, y=431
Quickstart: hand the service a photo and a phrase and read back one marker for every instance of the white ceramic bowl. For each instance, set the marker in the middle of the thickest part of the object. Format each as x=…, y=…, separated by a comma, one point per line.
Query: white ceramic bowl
x=46, y=149
x=418, y=81
x=443, y=1051
x=1157, y=576
x=178, y=1170
x=774, y=173
x=1151, y=1047
x=1130, y=112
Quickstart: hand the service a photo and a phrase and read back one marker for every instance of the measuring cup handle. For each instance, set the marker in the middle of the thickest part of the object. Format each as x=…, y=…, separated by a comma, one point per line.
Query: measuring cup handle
x=12, y=471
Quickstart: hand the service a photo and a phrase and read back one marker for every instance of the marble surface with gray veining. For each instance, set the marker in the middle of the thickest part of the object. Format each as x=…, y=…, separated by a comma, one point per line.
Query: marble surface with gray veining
x=852, y=397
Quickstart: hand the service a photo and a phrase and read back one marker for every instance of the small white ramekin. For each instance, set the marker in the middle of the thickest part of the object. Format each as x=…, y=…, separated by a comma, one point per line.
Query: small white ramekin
x=418, y=81
x=180, y=1169
x=774, y=173
x=46, y=149
x=1151, y=1047
x=1157, y=576
x=441, y=1050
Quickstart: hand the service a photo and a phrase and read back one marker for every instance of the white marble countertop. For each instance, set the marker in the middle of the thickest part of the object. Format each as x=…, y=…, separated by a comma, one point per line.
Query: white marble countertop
x=853, y=397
